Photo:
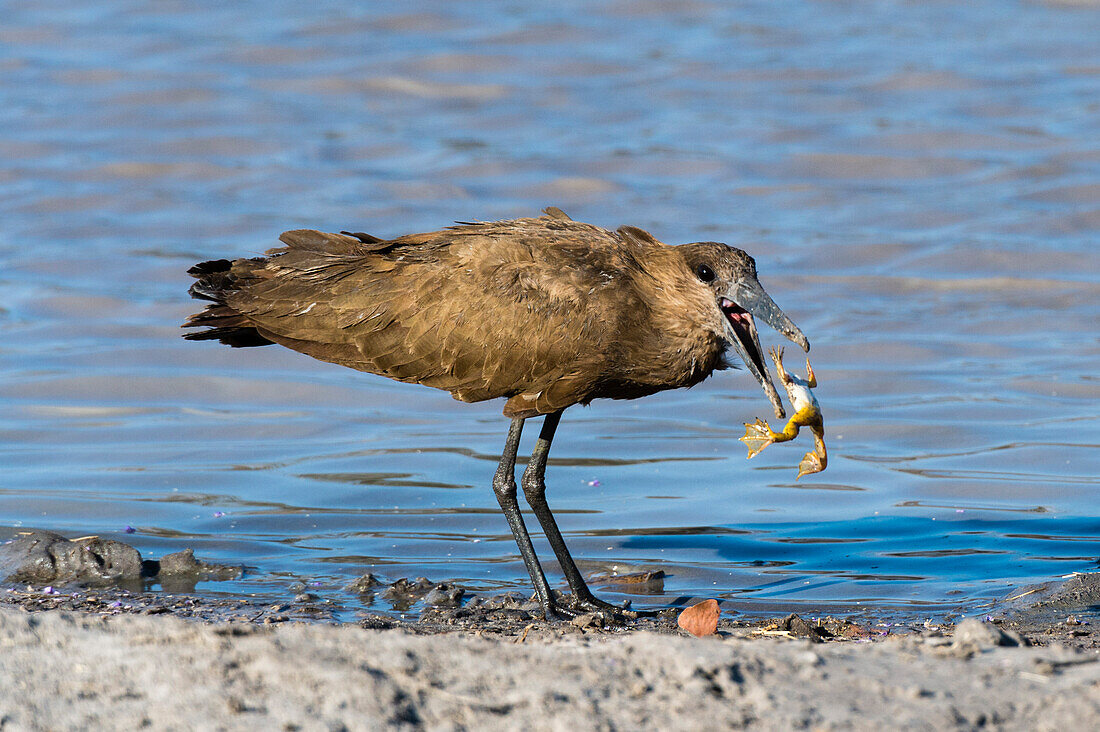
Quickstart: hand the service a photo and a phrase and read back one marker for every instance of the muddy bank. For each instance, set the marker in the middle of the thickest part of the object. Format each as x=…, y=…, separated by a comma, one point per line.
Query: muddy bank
x=44, y=571
x=1060, y=614
x=87, y=654
x=68, y=670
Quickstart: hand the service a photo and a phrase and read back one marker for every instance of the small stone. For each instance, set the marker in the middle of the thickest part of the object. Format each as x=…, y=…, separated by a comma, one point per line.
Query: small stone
x=507, y=600
x=363, y=584
x=444, y=595
x=799, y=628
x=642, y=582
x=181, y=562
x=377, y=622
x=399, y=589
x=586, y=620
x=973, y=632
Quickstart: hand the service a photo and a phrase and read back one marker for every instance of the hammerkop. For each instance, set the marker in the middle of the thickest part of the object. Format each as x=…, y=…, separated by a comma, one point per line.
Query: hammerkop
x=545, y=312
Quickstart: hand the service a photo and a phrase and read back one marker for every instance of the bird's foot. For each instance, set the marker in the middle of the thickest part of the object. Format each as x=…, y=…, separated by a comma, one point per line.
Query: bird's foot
x=758, y=435
x=592, y=604
x=571, y=607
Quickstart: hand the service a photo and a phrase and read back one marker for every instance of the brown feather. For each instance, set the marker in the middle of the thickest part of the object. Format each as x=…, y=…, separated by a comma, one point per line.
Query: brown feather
x=546, y=312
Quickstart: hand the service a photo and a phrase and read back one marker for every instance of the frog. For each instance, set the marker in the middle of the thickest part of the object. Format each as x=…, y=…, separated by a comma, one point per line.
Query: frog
x=807, y=413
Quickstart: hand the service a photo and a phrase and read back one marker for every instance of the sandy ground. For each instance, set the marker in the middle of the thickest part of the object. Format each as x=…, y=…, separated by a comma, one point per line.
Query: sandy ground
x=108, y=657
x=88, y=670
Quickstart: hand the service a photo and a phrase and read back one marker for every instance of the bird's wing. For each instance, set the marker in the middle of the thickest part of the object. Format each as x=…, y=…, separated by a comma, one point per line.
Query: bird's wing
x=482, y=310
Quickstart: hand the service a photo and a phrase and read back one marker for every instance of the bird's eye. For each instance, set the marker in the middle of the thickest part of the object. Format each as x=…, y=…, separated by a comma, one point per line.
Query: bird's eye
x=706, y=274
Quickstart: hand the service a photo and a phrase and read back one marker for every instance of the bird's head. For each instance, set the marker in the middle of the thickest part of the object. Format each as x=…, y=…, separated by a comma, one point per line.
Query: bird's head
x=729, y=276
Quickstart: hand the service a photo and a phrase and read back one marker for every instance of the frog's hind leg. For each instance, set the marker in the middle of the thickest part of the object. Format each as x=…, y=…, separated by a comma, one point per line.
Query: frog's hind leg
x=816, y=460
x=807, y=416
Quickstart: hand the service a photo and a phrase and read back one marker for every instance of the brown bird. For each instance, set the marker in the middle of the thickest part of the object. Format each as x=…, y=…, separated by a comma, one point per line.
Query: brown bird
x=545, y=312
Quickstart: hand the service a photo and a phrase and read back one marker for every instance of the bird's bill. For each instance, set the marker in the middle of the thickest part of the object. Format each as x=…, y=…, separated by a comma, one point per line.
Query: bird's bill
x=745, y=302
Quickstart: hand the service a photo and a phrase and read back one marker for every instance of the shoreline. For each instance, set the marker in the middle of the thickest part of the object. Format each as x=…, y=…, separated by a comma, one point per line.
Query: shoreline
x=111, y=670
x=1055, y=612
x=106, y=657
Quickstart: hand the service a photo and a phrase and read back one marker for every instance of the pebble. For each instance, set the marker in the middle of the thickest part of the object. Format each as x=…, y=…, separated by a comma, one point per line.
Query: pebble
x=586, y=620
x=363, y=584
x=974, y=632
x=444, y=595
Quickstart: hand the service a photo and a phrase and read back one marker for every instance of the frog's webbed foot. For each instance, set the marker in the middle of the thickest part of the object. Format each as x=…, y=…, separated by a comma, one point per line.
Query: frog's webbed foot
x=811, y=463
x=758, y=435
x=815, y=460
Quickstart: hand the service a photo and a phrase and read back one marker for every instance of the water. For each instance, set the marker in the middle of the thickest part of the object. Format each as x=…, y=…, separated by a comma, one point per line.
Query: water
x=918, y=181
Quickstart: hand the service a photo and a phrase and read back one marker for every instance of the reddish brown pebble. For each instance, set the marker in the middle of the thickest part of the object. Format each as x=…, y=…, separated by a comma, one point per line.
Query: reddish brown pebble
x=700, y=619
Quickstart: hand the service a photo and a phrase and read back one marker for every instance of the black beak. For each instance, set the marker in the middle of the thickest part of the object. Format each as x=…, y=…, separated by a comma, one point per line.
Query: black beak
x=743, y=303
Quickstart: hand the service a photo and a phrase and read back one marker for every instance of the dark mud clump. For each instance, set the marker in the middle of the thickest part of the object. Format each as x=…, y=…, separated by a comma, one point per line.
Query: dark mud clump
x=45, y=557
x=403, y=594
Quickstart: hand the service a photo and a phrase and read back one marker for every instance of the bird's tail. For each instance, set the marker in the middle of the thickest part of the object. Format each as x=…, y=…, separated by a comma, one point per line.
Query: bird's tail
x=214, y=281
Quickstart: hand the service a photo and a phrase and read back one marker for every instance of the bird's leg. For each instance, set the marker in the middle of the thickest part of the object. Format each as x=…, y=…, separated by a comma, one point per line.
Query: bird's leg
x=504, y=486
x=534, y=488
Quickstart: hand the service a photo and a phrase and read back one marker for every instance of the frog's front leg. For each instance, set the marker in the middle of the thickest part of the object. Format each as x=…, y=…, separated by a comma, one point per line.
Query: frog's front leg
x=777, y=357
x=811, y=380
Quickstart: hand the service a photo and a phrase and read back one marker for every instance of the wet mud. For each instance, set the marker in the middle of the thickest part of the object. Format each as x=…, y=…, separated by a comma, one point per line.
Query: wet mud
x=45, y=571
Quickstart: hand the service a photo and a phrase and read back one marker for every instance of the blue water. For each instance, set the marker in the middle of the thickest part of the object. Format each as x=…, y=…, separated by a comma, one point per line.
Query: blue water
x=919, y=182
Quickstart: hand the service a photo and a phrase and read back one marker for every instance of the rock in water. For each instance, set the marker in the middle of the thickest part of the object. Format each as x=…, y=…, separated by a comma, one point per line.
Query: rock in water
x=44, y=556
